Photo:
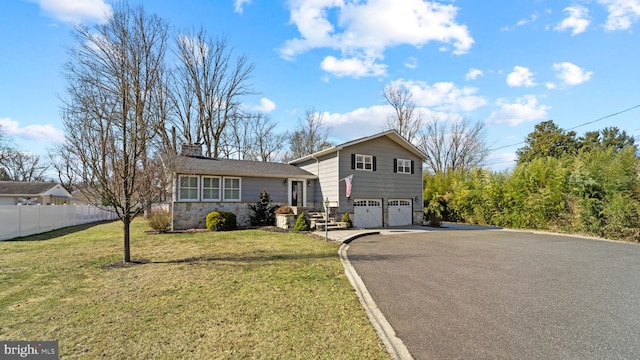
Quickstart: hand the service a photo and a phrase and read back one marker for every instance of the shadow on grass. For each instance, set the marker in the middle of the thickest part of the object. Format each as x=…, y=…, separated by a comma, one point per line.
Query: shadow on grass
x=59, y=232
x=245, y=258
x=239, y=258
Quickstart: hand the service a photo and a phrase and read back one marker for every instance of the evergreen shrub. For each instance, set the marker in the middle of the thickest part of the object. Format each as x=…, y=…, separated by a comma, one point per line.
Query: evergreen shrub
x=221, y=221
x=301, y=223
x=346, y=219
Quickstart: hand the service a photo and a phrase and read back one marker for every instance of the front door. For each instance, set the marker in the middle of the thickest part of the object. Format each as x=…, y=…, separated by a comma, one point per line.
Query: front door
x=297, y=188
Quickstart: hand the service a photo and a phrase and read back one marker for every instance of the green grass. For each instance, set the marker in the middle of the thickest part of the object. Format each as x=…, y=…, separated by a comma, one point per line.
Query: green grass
x=230, y=295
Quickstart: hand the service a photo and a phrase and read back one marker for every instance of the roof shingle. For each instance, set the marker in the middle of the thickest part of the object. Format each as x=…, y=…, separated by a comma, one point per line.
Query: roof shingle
x=24, y=188
x=231, y=167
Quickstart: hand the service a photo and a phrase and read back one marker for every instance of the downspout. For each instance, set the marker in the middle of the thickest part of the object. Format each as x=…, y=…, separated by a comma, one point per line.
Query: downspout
x=338, y=179
x=317, y=174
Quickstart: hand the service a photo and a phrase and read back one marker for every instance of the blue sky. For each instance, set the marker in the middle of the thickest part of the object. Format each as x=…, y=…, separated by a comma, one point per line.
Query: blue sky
x=510, y=64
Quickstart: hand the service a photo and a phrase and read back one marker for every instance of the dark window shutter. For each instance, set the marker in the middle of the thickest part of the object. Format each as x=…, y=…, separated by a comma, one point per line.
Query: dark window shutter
x=353, y=161
x=395, y=165
x=374, y=163
x=412, y=166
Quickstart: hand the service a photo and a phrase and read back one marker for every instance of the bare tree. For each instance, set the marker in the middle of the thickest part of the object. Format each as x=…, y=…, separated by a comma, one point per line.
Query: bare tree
x=309, y=137
x=253, y=137
x=4, y=145
x=17, y=165
x=405, y=119
x=64, y=164
x=111, y=114
x=237, y=141
x=268, y=143
x=23, y=166
x=208, y=86
x=452, y=145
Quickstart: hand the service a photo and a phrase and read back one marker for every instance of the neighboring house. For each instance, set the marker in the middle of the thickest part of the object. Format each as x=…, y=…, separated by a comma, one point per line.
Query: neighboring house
x=32, y=193
x=384, y=173
x=202, y=185
x=384, y=170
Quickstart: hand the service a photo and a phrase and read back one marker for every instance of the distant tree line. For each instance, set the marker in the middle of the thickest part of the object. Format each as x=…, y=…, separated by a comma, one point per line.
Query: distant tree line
x=588, y=184
x=18, y=165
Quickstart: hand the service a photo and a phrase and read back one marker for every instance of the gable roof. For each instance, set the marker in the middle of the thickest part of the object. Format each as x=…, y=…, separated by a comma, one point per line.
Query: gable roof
x=391, y=134
x=231, y=167
x=21, y=188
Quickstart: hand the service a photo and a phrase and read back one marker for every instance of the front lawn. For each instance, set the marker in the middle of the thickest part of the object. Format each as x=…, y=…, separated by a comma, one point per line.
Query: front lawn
x=241, y=294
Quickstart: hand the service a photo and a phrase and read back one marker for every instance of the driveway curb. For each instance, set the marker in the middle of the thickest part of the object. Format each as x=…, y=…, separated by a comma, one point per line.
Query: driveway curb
x=385, y=331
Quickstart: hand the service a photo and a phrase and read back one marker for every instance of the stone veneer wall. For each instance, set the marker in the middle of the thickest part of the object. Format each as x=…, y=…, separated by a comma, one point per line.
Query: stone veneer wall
x=193, y=215
x=418, y=218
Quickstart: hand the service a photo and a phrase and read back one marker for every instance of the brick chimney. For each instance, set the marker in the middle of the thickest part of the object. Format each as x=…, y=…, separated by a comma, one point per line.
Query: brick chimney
x=192, y=149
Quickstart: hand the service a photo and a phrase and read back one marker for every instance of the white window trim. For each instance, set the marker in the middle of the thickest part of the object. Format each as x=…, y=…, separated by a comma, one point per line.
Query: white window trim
x=406, y=166
x=219, y=188
x=180, y=188
x=364, y=162
x=239, y=189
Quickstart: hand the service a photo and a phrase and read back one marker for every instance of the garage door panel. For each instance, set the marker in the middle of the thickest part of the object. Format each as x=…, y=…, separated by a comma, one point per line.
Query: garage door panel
x=367, y=213
x=400, y=212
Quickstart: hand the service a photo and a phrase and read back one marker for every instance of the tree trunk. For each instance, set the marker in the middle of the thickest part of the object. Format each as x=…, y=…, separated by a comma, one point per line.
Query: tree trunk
x=127, y=251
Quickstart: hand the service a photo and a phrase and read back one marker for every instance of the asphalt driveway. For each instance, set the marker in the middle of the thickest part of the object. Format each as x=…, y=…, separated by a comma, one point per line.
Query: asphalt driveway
x=504, y=295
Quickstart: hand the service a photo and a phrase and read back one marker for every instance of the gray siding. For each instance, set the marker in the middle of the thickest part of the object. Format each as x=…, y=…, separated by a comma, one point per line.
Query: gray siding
x=252, y=188
x=327, y=184
x=383, y=183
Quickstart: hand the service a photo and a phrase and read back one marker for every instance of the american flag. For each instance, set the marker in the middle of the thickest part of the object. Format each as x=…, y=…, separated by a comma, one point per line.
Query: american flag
x=348, y=180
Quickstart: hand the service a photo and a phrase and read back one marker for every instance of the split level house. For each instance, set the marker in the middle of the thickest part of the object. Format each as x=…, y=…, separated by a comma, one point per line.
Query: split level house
x=376, y=179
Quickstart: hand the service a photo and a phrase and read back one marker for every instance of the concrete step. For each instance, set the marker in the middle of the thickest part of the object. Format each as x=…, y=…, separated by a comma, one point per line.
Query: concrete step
x=332, y=226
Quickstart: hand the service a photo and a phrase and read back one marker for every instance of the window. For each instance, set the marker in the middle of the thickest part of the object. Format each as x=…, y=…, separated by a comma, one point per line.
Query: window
x=188, y=188
x=403, y=166
x=210, y=188
x=364, y=162
x=231, y=189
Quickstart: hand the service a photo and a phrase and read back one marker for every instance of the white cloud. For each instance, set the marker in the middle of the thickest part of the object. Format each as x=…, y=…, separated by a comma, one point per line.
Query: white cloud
x=266, y=106
x=366, y=121
x=531, y=19
x=443, y=96
x=473, y=74
x=353, y=67
x=76, y=11
x=357, y=123
x=238, y=5
x=522, y=109
x=571, y=74
x=622, y=13
x=578, y=20
x=551, y=85
x=522, y=22
x=521, y=76
x=363, y=30
x=37, y=133
x=411, y=62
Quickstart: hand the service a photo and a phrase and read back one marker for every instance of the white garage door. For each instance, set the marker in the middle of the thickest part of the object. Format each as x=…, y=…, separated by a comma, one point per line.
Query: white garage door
x=400, y=212
x=367, y=213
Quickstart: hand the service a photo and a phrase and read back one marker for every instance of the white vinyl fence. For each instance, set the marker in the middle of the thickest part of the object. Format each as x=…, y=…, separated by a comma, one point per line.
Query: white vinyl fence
x=23, y=220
